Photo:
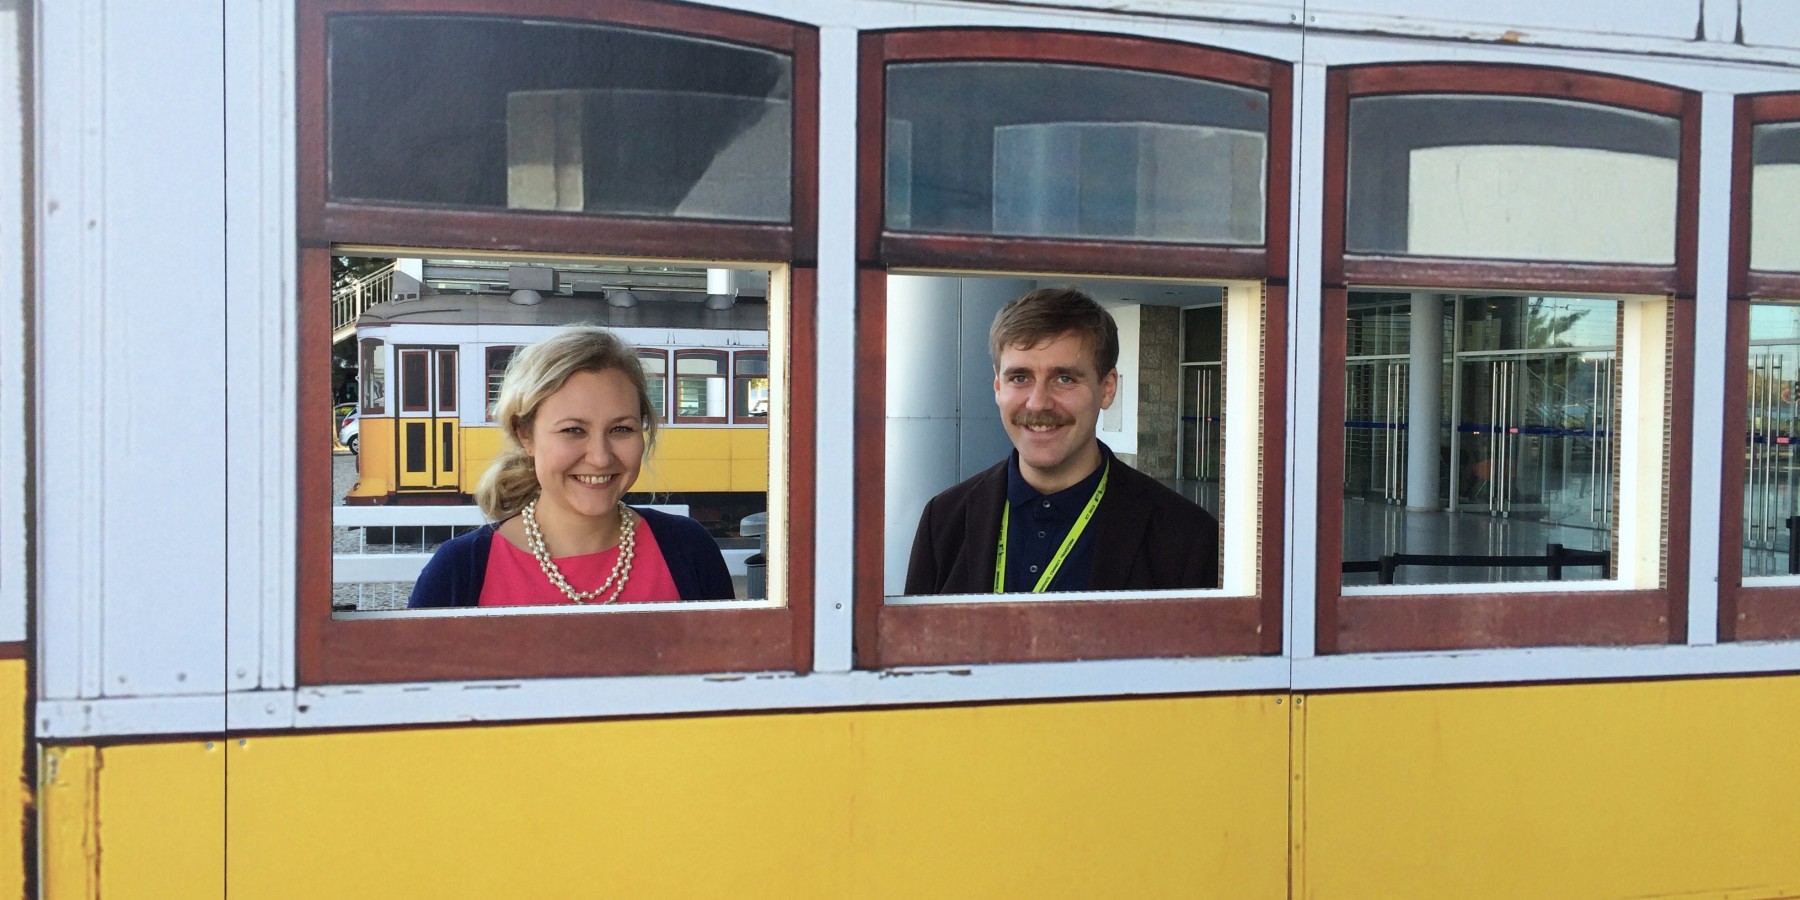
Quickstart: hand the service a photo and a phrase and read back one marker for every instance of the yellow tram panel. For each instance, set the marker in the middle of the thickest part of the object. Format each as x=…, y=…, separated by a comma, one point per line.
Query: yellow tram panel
x=1627, y=789
x=135, y=820
x=374, y=463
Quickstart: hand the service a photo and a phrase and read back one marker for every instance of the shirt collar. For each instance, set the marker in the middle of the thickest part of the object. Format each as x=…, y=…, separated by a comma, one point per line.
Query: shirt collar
x=1019, y=491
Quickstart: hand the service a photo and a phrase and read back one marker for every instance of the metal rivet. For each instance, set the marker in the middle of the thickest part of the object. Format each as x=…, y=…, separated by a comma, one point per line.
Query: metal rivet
x=209, y=745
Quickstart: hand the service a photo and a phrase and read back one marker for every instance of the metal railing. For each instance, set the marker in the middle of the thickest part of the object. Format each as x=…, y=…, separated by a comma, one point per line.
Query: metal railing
x=355, y=294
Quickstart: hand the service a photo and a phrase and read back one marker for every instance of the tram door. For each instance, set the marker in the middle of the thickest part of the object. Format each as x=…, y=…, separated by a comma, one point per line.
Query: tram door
x=1536, y=435
x=1375, y=394
x=1769, y=484
x=1202, y=431
x=428, y=436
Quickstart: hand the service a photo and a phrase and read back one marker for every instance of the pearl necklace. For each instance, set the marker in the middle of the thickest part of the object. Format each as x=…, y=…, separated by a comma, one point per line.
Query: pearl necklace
x=621, y=572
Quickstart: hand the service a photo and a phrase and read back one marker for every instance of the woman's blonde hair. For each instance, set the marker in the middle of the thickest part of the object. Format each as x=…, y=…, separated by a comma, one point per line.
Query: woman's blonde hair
x=535, y=373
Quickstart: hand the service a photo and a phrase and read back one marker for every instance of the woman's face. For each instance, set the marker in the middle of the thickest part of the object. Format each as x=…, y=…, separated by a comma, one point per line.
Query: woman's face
x=587, y=444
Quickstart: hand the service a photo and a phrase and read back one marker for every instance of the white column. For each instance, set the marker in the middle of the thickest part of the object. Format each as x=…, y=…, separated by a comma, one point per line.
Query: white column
x=1424, y=410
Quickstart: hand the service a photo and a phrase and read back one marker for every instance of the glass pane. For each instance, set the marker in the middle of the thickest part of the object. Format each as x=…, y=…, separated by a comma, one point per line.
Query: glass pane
x=1511, y=178
x=513, y=114
x=1051, y=150
x=1772, y=398
x=1476, y=427
x=751, y=392
x=1203, y=334
x=1775, y=197
x=462, y=315
x=373, y=376
x=700, y=386
x=948, y=421
x=656, y=380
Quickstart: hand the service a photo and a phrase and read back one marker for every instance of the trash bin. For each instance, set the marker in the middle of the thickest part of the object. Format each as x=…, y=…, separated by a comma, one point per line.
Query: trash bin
x=756, y=567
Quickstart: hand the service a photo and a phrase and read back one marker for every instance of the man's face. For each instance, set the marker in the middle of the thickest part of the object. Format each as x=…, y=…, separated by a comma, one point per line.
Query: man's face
x=1050, y=400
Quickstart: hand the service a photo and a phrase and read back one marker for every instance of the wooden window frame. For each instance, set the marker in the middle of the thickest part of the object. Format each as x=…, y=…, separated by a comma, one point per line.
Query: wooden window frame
x=735, y=356
x=1763, y=613
x=1351, y=623
x=460, y=648
x=387, y=223
x=675, y=376
x=974, y=633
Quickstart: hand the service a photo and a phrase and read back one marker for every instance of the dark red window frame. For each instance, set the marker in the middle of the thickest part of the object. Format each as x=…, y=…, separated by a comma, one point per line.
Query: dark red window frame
x=675, y=376
x=901, y=635
x=1363, y=623
x=1748, y=613
x=736, y=377
x=333, y=651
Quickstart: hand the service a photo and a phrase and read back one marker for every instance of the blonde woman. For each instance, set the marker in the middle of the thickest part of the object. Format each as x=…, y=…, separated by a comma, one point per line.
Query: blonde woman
x=576, y=423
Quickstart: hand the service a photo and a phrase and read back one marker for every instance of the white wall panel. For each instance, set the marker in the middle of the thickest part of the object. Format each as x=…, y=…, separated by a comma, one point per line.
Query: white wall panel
x=131, y=498
x=14, y=459
x=1769, y=23
x=259, y=320
x=1674, y=19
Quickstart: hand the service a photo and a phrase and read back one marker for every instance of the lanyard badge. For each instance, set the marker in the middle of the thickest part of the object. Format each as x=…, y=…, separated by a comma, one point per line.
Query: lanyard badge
x=1062, y=552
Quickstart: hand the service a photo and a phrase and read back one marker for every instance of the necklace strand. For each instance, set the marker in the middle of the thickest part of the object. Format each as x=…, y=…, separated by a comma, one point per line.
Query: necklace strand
x=621, y=571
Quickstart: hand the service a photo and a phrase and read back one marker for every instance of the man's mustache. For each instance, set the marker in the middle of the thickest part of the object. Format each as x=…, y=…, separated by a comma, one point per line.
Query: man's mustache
x=1041, y=420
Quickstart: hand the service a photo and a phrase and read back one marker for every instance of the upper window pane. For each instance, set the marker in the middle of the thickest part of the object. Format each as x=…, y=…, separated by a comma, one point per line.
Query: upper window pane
x=562, y=116
x=1511, y=178
x=1775, y=197
x=1073, y=151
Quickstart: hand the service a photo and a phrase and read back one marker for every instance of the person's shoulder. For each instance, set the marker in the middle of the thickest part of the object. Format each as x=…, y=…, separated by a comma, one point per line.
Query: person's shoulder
x=1144, y=489
x=467, y=542
x=669, y=526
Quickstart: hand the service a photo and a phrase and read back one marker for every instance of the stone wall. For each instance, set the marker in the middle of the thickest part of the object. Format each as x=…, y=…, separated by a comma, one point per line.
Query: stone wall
x=1159, y=390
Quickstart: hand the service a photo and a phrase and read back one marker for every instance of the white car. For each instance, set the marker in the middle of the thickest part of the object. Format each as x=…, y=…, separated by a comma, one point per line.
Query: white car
x=347, y=432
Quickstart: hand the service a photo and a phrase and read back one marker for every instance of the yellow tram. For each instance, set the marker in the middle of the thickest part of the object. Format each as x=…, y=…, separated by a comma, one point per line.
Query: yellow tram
x=430, y=367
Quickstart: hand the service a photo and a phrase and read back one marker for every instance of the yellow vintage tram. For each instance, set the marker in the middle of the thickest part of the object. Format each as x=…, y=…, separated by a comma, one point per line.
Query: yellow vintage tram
x=430, y=365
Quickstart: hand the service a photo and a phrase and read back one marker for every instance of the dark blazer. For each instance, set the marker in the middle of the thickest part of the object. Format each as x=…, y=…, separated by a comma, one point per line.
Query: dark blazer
x=1147, y=537
x=455, y=573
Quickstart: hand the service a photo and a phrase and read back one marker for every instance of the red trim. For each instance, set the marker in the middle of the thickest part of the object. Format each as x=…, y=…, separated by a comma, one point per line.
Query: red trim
x=932, y=635
x=871, y=145
x=1364, y=270
x=1760, y=613
x=803, y=456
x=1512, y=80
x=1111, y=51
x=1141, y=259
x=530, y=231
x=1472, y=621
x=869, y=499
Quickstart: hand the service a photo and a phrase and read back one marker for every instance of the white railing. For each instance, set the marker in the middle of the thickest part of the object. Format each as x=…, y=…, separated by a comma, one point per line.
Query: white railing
x=348, y=300
x=374, y=566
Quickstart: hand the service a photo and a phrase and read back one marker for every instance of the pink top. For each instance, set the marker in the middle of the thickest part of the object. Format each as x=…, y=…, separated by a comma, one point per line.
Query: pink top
x=514, y=577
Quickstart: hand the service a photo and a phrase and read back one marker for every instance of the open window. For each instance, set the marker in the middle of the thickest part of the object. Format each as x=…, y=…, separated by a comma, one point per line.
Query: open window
x=1503, y=411
x=1759, y=543
x=1151, y=176
x=572, y=164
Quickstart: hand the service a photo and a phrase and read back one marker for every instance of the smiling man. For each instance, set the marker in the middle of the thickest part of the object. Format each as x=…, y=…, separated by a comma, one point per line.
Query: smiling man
x=1061, y=513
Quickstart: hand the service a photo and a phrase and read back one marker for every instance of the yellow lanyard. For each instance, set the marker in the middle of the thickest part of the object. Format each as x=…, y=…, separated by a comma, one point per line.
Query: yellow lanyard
x=1062, y=552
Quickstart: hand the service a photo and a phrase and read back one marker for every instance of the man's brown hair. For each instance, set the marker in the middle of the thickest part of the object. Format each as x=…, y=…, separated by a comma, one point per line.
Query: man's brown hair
x=1045, y=314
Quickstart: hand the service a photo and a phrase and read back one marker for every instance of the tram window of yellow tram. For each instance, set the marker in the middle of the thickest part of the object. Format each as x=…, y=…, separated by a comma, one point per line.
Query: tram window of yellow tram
x=951, y=423
x=454, y=326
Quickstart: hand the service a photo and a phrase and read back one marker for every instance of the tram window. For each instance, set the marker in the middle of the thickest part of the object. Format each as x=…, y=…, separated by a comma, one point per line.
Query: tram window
x=1511, y=178
x=1484, y=436
x=498, y=358
x=1771, y=515
x=426, y=457
x=750, y=392
x=947, y=414
x=373, y=377
x=1051, y=150
x=700, y=389
x=1775, y=197
x=526, y=114
x=656, y=378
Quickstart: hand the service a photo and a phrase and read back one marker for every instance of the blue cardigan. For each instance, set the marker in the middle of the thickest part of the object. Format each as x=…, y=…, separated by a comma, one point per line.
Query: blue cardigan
x=456, y=571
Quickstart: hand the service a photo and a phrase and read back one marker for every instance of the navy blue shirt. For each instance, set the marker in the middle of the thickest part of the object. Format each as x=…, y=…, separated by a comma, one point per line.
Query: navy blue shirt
x=1039, y=524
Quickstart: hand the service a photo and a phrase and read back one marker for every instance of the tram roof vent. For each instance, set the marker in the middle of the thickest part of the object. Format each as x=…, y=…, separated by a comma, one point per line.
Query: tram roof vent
x=531, y=278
